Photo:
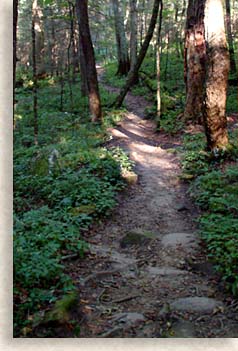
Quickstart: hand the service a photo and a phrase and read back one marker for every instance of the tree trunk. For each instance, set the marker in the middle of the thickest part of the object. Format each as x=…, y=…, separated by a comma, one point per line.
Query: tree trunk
x=217, y=70
x=87, y=48
x=167, y=54
x=158, y=64
x=15, y=16
x=134, y=72
x=122, y=48
x=39, y=39
x=133, y=27
x=53, y=44
x=82, y=62
x=34, y=66
x=229, y=37
x=194, y=60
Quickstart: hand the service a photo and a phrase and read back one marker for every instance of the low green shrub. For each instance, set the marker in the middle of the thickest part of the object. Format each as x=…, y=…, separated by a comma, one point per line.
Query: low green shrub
x=215, y=191
x=61, y=186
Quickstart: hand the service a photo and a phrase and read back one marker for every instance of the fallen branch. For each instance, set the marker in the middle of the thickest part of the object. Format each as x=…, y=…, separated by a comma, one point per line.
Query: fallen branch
x=98, y=274
x=68, y=257
x=111, y=332
x=123, y=299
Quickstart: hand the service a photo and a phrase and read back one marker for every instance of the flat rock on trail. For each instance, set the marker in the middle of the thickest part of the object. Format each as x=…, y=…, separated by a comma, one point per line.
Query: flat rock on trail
x=147, y=288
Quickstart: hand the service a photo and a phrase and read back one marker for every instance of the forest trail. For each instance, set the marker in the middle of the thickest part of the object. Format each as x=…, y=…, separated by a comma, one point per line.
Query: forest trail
x=146, y=274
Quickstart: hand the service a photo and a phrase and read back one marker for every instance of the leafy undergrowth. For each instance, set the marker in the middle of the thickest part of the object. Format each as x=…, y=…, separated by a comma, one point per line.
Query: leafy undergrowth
x=215, y=190
x=61, y=186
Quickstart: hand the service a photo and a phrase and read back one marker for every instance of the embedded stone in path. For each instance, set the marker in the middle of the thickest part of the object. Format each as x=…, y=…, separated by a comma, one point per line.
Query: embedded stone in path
x=182, y=329
x=137, y=237
x=165, y=271
x=128, y=317
x=180, y=239
x=195, y=304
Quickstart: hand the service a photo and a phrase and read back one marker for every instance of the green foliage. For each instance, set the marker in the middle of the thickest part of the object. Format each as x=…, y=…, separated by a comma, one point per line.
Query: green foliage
x=232, y=104
x=110, y=76
x=195, y=160
x=170, y=122
x=39, y=241
x=61, y=187
x=221, y=236
x=215, y=190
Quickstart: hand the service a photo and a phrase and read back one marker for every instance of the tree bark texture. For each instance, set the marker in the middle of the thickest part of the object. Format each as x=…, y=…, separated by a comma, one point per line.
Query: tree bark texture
x=15, y=16
x=194, y=60
x=82, y=62
x=229, y=37
x=34, y=66
x=122, y=47
x=133, y=36
x=39, y=39
x=158, y=64
x=134, y=72
x=88, y=52
x=217, y=70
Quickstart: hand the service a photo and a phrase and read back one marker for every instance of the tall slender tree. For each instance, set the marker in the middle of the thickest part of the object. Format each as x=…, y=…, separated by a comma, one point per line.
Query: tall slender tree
x=133, y=30
x=88, y=52
x=82, y=62
x=122, y=46
x=34, y=66
x=134, y=72
x=158, y=63
x=229, y=37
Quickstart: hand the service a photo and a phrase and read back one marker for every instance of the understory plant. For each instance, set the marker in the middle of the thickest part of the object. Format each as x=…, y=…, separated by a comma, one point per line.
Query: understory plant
x=215, y=190
x=61, y=186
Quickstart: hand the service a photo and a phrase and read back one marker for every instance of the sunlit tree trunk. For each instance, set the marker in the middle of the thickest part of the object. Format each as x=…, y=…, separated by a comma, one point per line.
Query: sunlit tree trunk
x=15, y=16
x=88, y=52
x=194, y=60
x=217, y=69
x=229, y=37
x=122, y=47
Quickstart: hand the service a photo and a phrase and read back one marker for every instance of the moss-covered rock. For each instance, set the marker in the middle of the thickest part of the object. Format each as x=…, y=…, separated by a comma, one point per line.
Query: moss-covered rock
x=62, y=310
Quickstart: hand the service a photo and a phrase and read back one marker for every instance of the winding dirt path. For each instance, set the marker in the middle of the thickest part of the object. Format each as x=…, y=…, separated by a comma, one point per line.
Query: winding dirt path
x=146, y=274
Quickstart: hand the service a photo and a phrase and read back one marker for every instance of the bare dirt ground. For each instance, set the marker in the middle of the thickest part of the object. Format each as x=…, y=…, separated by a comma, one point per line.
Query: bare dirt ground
x=146, y=275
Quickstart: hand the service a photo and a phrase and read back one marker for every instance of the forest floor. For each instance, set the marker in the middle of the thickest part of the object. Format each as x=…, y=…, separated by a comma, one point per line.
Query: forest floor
x=147, y=274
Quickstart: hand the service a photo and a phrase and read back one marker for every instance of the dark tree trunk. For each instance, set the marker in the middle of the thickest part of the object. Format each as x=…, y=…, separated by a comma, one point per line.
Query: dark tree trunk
x=134, y=72
x=15, y=16
x=158, y=64
x=83, y=71
x=167, y=54
x=229, y=37
x=122, y=47
x=133, y=27
x=194, y=60
x=82, y=62
x=88, y=52
x=217, y=70
x=34, y=66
